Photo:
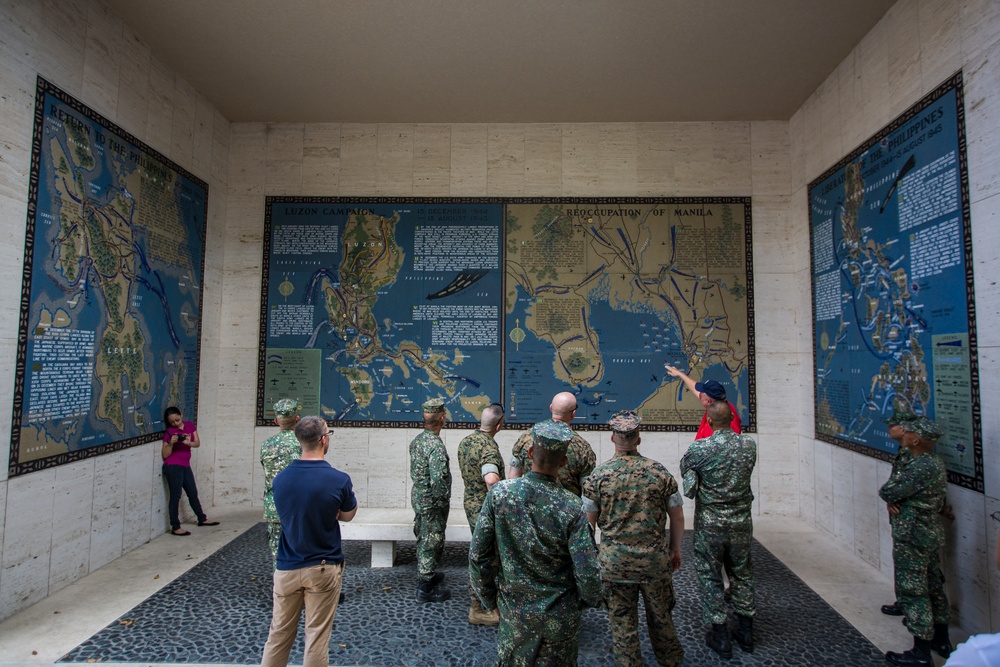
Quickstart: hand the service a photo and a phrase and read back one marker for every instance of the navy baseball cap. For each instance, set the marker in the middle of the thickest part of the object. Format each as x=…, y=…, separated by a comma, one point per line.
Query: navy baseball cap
x=711, y=388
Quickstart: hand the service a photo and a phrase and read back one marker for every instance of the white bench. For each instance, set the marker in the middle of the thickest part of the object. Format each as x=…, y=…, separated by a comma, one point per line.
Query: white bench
x=384, y=527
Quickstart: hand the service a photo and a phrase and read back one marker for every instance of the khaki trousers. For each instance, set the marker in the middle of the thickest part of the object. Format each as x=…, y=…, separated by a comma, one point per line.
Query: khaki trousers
x=317, y=588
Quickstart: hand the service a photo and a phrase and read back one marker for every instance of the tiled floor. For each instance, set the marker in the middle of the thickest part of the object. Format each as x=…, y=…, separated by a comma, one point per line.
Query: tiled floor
x=52, y=628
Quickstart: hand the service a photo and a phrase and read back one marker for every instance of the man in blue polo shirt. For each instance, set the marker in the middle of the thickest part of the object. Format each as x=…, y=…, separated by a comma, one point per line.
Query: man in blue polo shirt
x=312, y=498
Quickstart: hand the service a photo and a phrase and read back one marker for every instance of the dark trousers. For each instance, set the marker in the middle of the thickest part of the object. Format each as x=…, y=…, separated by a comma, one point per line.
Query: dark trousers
x=181, y=477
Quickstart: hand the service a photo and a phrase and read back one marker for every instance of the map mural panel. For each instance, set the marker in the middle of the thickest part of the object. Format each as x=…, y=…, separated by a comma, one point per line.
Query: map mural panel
x=892, y=288
x=396, y=300
x=111, y=307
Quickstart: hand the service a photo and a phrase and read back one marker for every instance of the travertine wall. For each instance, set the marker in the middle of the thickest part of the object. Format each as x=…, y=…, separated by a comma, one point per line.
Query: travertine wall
x=57, y=525
x=917, y=45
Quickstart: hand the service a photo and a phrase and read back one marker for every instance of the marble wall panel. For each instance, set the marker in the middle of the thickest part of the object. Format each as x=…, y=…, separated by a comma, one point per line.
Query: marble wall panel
x=389, y=481
x=903, y=51
x=247, y=159
x=101, y=60
x=581, y=159
x=982, y=117
x=185, y=103
x=797, y=149
x=828, y=100
x=882, y=471
x=872, y=66
x=63, y=29
x=3, y=515
x=133, y=82
x=867, y=508
x=431, y=160
x=807, y=479
x=505, y=162
x=27, y=27
x=71, y=520
x=469, y=156
x=108, y=511
x=843, y=495
x=27, y=540
x=358, y=159
x=657, y=158
x=769, y=159
x=395, y=160
x=160, y=112
x=543, y=160
x=812, y=133
x=967, y=560
x=940, y=41
x=284, y=147
x=203, y=146
x=989, y=385
x=139, y=492
x=778, y=397
x=775, y=312
x=824, y=485
x=220, y=154
x=159, y=519
x=619, y=159
x=849, y=98
x=978, y=20
x=993, y=556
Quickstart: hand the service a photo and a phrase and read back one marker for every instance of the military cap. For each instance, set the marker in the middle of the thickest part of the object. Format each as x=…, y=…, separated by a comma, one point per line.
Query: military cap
x=552, y=436
x=286, y=407
x=899, y=417
x=625, y=423
x=925, y=427
x=434, y=405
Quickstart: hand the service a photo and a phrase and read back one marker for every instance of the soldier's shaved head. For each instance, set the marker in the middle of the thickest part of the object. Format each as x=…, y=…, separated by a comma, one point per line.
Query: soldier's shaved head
x=563, y=406
x=719, y=414
x=492, y=414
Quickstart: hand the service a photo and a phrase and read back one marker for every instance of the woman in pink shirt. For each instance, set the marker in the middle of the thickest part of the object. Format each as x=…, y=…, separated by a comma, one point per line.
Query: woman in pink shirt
x=178, y=440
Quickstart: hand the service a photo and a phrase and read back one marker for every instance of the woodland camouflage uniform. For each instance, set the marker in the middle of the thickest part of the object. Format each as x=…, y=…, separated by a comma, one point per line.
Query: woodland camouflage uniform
x=430, y=495
x=276, y=454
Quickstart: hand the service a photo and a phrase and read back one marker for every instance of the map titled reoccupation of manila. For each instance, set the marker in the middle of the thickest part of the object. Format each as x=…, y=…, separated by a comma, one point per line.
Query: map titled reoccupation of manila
x=111, y=319
x=600, y=295
x=372, y=308
x=892, y=283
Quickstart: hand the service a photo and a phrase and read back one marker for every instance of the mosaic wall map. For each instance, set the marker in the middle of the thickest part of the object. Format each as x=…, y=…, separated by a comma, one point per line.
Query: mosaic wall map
x=894, y=320
x=371, y=306
x=110, y=316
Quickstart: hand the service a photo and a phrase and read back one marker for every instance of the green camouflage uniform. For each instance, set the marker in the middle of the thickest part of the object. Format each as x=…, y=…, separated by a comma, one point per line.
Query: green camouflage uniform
x=918, y=485
x=275, y=454
x=632, y=494
x=716, y=474
x=547, y=570
x=430, y=497
x=581, y=461
x=478, y=455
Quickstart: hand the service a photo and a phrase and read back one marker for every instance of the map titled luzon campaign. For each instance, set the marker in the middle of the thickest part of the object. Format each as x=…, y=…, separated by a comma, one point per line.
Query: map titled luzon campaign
x=600, y=296
x=112, y=318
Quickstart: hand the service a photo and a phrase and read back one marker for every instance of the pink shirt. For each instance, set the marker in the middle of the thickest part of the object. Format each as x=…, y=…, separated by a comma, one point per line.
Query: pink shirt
x=181, y=453
x=704, y=430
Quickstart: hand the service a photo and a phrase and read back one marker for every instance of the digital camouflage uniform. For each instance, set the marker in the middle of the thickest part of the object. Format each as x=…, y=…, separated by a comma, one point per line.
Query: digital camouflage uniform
x=478, y=455
x=631, y=494
x=275, y=454
x=918, y=485
x=580, y=454
x=716, y=474
x=547, y=571
x=430, y=495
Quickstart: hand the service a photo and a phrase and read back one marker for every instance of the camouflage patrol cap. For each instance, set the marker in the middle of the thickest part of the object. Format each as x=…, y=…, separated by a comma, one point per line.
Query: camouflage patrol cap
x=286, y=407
x=552, y=436
x=899, y=417
x=433, y=405
x=625, y=423
x=925, y=427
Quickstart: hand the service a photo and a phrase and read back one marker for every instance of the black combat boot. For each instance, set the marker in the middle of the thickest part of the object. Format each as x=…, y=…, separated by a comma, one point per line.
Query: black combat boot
x=744, y=633
x=428, y=592
x=918, y=656
x=437, y=578
x=941, y=643
x=892, y=609
x=717, y=639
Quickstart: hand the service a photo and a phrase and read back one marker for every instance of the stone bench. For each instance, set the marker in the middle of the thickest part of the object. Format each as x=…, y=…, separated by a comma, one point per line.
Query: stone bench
x=384, y=527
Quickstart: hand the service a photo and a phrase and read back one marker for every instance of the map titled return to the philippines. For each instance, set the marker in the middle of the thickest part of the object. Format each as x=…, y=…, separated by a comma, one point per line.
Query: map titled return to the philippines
x=371, y=306
x=111, y=313
x=892, y=285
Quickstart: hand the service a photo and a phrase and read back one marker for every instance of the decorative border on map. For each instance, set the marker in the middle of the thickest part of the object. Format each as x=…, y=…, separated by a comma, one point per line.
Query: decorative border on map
x=955, y=82
x=15, y=467
x=749, y=425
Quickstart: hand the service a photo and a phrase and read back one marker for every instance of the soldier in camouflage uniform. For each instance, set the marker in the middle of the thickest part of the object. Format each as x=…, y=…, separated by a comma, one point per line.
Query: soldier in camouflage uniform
x=430, y=497
x=547, y=570
x=631, y=497
x=481, y=464
x=716, y=474
x=902, y=455
x=918, y=486
x=580, y=455
x=275, y=454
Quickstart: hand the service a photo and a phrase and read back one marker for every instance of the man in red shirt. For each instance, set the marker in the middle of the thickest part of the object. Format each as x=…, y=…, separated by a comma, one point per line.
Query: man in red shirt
x=707, y=392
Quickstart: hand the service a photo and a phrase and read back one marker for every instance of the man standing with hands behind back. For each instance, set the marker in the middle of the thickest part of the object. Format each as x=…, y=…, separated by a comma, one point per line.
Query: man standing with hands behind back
x=430, y=497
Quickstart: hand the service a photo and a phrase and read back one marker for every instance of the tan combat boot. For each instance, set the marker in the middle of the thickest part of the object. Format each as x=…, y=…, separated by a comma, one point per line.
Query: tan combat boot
x=479, y=616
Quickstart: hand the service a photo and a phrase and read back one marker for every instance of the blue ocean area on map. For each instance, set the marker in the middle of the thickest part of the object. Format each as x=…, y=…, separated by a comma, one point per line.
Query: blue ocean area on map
x=890, y=280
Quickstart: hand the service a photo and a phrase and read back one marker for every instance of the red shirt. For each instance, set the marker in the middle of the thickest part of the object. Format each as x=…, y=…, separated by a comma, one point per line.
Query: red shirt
x=704, y=430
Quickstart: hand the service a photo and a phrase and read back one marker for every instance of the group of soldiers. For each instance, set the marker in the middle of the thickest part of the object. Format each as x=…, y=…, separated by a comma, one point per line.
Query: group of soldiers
x=533, y=561
x=534, y=564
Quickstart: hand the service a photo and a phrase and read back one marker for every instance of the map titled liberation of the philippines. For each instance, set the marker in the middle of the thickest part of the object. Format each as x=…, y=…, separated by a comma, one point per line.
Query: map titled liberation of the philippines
x=892, y=283
x=112, y=323
x=372, y=306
